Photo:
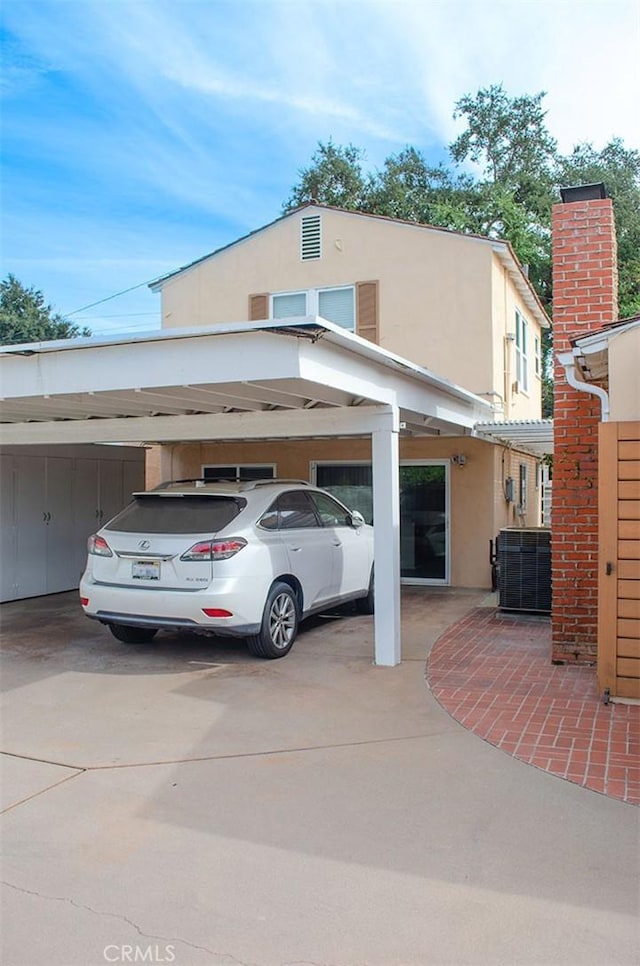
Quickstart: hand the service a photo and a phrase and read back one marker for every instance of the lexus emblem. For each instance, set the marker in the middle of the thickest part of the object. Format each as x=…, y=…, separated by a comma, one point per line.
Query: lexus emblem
x=144, y=545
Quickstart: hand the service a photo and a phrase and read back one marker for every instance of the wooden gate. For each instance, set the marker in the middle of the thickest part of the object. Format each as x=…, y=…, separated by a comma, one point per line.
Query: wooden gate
x=619, y=559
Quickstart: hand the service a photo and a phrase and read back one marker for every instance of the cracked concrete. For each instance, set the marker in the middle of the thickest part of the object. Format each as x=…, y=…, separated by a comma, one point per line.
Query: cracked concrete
x=110, y=915
x=314, y=810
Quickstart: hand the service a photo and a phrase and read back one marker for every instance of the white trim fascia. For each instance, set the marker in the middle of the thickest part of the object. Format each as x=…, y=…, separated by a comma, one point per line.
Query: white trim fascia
x=302, y=328
x=153, y=335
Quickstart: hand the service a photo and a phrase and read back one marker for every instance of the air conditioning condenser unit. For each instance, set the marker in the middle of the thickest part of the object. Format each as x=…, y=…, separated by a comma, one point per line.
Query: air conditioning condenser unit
x=524, y=569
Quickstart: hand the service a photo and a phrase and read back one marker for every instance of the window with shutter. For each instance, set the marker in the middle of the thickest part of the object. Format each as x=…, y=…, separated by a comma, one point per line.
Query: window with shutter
x=310, y=237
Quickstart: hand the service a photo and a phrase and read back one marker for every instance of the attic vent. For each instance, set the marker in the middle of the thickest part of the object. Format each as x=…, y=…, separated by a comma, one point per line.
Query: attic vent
x=310, y=240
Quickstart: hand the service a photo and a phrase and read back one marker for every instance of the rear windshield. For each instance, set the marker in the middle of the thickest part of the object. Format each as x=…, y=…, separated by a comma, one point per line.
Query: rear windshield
x=177, y=514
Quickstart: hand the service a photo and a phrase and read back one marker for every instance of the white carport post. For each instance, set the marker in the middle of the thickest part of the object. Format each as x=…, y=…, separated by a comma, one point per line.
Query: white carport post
x=386, y=518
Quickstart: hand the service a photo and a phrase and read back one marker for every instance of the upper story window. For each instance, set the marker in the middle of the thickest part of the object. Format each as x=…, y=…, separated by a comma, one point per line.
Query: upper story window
x=334, y=304
x=538, y=356
x=522, y=352
x=310, y=237
x=287, y=304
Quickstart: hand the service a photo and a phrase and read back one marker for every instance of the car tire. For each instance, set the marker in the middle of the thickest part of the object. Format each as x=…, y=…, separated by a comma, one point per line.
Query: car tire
x=133, y=635
x=279, y=624
x=365, y=605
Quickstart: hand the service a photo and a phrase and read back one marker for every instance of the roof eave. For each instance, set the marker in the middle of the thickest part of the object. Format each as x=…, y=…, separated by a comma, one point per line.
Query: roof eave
x=530, y=297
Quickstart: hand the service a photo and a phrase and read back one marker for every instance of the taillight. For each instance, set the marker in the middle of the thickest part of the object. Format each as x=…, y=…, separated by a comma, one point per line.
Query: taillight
x=214, y=549
x=98, y=546
x=84, y=601
x=216, y=612
x=199, y=551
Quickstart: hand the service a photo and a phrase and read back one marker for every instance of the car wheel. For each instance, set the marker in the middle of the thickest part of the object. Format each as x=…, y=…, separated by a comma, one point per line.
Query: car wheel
x=279, y=624
x=133, y=635
x=365, y=605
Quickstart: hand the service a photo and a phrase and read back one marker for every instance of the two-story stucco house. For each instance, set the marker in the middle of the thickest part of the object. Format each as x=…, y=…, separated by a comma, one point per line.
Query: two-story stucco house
x=458, y=305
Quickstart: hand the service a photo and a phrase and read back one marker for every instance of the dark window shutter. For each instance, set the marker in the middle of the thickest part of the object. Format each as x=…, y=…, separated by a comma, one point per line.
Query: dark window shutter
x=258, y=307
x=367, y=310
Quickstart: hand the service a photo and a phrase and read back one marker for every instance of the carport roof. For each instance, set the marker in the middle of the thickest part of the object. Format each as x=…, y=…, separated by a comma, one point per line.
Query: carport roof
x=270, y=379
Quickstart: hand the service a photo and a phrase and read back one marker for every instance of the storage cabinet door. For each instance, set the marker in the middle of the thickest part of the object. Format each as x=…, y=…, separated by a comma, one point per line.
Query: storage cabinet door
x=61, y=550
x=31, y=527
x=85, y=509
x=7, y=530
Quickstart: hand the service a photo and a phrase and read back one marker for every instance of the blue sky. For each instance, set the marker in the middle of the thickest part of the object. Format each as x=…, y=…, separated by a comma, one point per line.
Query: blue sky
x=138, y=135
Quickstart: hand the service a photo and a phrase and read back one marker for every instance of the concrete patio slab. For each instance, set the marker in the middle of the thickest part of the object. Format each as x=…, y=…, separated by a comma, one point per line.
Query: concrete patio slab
x=21, y=779
x=184, y=697
x=318, y=809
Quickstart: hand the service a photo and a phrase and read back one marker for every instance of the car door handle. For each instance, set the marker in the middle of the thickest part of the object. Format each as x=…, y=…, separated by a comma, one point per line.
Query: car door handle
x=295, y=549
x=337, y=543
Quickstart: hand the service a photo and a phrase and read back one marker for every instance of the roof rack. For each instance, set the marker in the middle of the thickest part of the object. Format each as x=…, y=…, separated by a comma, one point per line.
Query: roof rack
x=167, y=483
x=252, y=484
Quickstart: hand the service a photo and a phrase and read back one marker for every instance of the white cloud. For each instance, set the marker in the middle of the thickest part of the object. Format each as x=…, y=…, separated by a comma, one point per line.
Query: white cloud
x=171, y=128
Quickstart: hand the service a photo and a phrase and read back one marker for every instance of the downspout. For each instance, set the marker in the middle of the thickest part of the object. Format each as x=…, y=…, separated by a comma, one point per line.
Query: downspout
x=568, y=361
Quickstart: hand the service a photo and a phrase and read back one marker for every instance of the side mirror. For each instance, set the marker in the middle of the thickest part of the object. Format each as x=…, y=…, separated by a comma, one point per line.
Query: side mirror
x=357, y=520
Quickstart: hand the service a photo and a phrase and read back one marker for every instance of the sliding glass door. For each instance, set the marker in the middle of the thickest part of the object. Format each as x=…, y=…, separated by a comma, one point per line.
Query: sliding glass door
x=423, y=522
x=424, y=511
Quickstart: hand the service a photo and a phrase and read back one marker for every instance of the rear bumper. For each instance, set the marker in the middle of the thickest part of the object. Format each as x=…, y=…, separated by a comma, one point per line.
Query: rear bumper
x=175, y=609
x=173, y=624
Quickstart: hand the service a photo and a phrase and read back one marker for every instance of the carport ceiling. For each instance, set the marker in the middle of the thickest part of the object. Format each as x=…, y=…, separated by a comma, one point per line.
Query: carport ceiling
x=286, y=378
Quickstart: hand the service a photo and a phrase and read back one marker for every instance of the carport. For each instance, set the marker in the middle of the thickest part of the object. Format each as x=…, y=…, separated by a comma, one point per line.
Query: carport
x=281, y=379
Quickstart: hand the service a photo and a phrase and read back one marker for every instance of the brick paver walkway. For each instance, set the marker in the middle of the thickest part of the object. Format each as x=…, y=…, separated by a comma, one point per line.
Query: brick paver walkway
x=492, y=672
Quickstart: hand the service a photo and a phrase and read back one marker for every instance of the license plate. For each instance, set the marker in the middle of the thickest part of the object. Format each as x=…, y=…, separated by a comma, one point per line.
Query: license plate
x=145, y=570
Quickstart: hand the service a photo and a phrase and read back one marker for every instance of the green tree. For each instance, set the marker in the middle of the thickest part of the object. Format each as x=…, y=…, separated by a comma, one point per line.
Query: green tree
x=508, y=139
x=408, y=188
x=25, y=316
x=334, y=177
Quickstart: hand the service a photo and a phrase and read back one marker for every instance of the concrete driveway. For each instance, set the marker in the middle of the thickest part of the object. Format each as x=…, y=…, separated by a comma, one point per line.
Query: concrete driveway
x=181, y=802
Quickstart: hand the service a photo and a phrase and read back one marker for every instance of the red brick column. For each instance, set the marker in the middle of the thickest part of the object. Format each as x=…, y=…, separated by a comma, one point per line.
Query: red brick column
x=584, y=299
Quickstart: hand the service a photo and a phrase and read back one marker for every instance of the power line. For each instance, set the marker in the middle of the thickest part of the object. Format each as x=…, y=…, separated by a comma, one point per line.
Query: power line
x=108, y=299
x=121, y=315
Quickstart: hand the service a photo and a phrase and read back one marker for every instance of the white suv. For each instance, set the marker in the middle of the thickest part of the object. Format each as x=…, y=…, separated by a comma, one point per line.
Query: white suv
x=243, y=559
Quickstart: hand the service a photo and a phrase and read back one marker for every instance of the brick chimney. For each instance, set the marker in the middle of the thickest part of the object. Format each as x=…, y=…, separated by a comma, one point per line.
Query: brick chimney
x=585, y=298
